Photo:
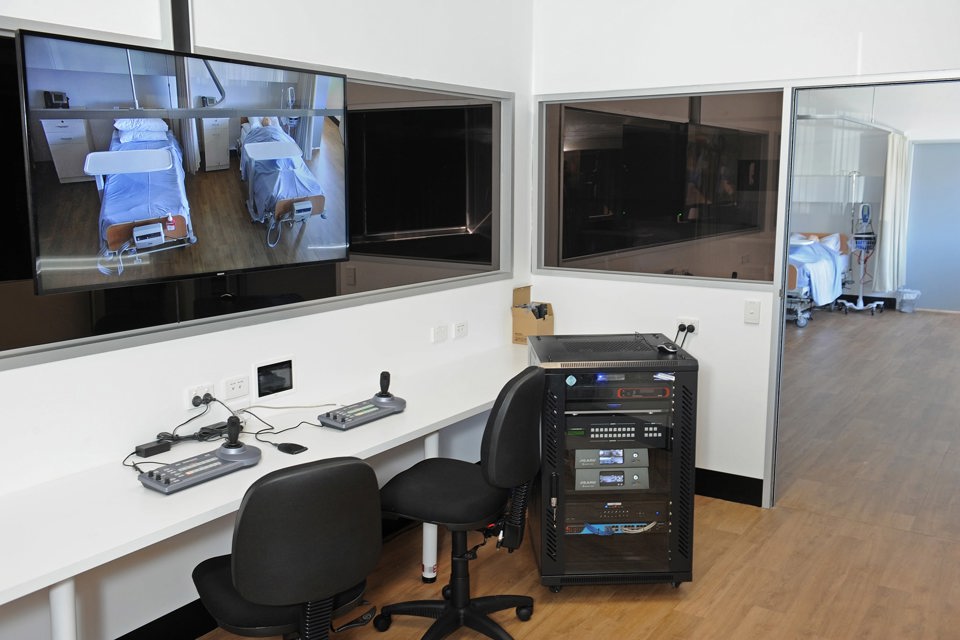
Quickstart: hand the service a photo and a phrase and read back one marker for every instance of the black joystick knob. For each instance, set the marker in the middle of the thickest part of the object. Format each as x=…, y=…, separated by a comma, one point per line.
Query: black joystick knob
x=233, y=432
x=384, y=385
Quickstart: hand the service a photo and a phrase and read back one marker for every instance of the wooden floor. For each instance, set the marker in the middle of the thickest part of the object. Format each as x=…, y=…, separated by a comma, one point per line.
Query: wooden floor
x=864, y=541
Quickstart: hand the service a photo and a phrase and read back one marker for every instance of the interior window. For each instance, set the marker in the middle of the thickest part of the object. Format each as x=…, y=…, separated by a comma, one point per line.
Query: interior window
x=679, y=185
x=423, y=176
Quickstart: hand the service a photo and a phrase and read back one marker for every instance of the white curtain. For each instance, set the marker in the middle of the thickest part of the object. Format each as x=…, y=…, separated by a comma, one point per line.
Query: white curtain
x=306, y=88
x=188, y=126
x=892, y=241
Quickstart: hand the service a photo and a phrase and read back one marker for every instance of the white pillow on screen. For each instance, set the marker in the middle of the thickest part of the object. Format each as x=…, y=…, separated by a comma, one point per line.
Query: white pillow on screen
x=799, y=239
x=831, y=242
x=140, y=124
x=254, y=122
x=137, y=136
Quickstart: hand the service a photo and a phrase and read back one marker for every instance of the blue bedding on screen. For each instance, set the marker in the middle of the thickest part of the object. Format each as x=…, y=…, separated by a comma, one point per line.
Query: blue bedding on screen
x=274, y=180
x=129, y=197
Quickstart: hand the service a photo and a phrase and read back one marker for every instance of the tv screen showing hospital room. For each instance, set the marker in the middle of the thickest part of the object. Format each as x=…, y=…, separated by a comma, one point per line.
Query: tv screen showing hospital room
x=146, y=166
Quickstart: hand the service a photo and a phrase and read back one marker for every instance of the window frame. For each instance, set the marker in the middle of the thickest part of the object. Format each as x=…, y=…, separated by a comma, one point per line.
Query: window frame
x=545, y=234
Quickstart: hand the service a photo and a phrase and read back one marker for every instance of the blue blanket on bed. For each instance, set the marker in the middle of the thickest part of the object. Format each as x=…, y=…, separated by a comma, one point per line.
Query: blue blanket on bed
x=139, y=196
x=819, y=268
x=274, y=180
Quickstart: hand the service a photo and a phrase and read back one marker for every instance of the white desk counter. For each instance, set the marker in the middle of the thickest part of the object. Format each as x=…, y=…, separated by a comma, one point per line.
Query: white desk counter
x=67, y=526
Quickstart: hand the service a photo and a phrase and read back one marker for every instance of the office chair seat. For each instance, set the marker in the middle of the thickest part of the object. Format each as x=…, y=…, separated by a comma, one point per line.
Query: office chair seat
x=234, y=613
x=464, y=500
x=304, y=541
x=465, y=497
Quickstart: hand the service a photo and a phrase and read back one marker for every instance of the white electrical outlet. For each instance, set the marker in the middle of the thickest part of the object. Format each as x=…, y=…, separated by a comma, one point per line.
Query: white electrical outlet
x=459, y=330
x=694, y=322
x=439, y=333
x=197, y=390
x=236, y=387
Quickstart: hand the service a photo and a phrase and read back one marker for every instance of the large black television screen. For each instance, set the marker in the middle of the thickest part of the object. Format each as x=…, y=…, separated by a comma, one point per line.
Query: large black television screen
x=148, y=166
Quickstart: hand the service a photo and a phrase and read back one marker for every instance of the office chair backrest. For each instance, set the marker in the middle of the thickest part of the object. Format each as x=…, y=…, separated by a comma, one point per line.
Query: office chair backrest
x=307, y=532
x=510, y=449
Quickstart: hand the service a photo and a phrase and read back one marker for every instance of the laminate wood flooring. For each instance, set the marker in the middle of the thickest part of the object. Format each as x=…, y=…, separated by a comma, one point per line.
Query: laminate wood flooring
x=863, y=542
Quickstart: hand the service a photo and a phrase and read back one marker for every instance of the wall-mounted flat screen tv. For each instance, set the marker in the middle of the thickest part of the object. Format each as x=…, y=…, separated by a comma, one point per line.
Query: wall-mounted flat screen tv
x=148, y=166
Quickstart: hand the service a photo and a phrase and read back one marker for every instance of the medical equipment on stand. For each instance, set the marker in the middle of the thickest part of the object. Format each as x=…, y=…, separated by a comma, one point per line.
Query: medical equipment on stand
x=862, y=243
x=289, y=122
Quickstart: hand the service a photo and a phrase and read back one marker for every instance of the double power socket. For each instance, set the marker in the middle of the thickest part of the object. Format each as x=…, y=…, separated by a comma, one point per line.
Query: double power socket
x=231, y=388
x=442, y=332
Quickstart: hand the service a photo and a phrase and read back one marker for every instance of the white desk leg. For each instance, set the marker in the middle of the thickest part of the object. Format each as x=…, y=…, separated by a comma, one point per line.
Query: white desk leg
x=63, y=611
x=431, y=449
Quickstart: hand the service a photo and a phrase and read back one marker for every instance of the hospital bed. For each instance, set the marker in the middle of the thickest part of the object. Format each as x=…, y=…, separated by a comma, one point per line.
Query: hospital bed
x=280, y=186
x=143, y=199
x=817, y=265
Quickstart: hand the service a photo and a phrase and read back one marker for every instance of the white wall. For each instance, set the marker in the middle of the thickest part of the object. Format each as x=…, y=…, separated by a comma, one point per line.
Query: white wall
x=618, y=44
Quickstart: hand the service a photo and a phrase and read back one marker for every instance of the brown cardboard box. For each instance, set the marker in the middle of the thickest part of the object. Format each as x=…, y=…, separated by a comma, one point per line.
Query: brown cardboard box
x=525, y=323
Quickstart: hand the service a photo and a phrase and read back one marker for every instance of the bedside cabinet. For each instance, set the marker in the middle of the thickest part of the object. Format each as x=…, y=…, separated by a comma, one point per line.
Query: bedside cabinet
x=216, y=143
x=69, y=142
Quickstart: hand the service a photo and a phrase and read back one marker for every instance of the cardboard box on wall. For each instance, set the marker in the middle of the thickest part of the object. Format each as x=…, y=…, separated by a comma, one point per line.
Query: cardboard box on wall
x=525, y=316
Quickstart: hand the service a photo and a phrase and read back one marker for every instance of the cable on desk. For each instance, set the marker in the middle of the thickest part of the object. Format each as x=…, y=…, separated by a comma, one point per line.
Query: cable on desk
x=271, y=429
x=135, y=466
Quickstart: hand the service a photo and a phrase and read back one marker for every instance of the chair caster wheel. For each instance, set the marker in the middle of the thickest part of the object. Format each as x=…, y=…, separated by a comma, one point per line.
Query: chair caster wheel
x=524, y=613
x=446, y=592
x=382, y=622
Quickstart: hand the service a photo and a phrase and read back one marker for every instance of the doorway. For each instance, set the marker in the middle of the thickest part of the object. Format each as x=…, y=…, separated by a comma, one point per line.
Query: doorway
x=840, y=379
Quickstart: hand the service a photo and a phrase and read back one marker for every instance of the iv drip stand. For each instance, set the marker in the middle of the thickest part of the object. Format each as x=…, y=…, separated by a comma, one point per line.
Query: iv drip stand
x=862, y=242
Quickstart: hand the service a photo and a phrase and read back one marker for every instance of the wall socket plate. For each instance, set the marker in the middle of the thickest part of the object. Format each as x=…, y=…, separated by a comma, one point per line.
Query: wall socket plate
x=460, y=330
x=236, y=387
x=197, y=390
x=687, y=320
x=439, y=333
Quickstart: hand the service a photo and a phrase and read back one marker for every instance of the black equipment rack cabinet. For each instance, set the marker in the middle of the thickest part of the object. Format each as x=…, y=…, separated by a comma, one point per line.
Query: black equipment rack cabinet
x=614, y=502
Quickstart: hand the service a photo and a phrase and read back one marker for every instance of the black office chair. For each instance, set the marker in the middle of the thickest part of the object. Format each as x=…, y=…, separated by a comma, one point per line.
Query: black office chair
x=305, y=539
x=464, y=497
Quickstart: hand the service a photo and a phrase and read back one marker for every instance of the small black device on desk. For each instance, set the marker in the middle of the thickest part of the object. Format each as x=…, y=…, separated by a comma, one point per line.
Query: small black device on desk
x=231, y=456
x=353, y=415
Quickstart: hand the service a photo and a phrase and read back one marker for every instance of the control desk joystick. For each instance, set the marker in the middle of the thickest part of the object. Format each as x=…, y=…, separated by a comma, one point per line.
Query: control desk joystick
x=234, y=450
x=233, y=433
x=384, y=385
x=231, y=456
x=385, y=398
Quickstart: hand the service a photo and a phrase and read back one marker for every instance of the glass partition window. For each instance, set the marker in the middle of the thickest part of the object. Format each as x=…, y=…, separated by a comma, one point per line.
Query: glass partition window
x=411, y=181
x=680, y=185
